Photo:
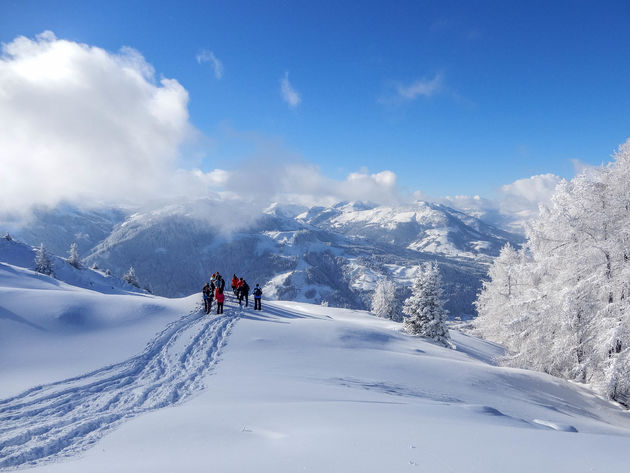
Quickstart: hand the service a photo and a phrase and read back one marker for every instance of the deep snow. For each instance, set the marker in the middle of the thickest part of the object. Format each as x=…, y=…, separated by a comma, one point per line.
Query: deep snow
x=131, y=382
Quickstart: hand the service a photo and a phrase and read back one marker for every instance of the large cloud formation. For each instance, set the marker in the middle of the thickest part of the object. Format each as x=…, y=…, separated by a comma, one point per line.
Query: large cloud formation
x=83, y=125
x=89, y=127
x=79, y=123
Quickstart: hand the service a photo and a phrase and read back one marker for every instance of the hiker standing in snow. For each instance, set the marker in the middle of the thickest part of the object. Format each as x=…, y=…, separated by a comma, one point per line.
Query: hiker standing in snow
x=243, y=292
x=206, y=297
x=212, y=289
x=257, y=297
x=235, y=285
x=220, y=282
x=220, y=297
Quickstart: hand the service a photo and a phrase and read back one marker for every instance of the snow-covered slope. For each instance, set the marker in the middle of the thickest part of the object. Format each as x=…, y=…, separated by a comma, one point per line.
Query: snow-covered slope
x=16, y=253
x=150, y=384
x=313, y=255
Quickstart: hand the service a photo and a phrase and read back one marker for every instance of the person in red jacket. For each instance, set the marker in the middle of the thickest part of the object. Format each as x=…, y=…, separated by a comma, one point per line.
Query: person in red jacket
x=220, y=297
x=234, y=284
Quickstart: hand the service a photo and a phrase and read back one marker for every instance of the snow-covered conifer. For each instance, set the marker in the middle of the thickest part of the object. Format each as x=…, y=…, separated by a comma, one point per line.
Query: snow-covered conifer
x=73, y=257
x=43, y=263
x=426, y=315
x=130, y=277
x=384, y=303
x=568, y=310
x=497, y=303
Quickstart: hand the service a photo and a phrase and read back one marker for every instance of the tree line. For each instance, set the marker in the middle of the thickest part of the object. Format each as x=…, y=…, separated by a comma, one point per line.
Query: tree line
x=560, y=304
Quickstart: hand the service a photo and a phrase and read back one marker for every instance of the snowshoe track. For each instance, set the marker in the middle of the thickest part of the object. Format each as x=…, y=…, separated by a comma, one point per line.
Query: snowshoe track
x=66, y=417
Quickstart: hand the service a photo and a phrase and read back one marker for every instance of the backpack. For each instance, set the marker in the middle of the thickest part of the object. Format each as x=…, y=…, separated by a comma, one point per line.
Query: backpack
x=257, y=292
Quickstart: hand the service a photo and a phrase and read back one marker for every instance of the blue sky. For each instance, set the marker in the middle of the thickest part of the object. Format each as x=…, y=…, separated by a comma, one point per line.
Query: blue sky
x=453, y=97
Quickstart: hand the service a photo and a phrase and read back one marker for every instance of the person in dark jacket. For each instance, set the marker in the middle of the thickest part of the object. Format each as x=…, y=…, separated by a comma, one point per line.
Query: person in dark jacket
x=220, y=282
x=207, y=301
x=212, y=289
x=243, y=292
x=257, y=297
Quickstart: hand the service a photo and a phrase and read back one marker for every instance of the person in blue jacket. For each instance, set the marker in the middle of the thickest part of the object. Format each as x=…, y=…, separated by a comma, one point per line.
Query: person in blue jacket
x=257, y=297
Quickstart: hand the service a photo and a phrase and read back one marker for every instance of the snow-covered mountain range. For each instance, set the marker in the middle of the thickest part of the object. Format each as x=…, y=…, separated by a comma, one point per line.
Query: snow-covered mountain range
x=321, y=254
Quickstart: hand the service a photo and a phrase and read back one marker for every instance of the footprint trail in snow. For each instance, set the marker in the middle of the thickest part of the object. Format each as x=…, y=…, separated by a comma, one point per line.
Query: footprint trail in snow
x=66, y=417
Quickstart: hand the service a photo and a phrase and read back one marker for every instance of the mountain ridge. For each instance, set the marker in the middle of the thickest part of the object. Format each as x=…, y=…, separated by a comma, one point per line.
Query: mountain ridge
x=330, y=255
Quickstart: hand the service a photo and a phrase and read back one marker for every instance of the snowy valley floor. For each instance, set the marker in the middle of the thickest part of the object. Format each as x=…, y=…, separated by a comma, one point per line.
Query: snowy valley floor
x=156, y=386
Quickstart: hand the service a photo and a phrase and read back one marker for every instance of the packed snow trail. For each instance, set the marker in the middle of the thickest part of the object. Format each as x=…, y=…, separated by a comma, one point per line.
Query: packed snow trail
x=65, y=417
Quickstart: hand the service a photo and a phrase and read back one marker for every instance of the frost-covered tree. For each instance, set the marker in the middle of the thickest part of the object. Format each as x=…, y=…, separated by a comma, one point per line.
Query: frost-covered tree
x=426, y=315
x=384, y=302
x=130, y=277
x=73, y=257
x=43, y=263
x=500, y=291
x=568, y=313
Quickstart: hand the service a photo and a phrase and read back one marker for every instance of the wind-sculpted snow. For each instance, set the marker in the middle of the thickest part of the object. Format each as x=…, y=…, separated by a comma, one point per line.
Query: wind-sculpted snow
x=65, y=417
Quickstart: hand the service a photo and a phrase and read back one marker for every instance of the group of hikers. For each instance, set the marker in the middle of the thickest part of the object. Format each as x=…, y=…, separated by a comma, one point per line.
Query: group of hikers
x=213, y=290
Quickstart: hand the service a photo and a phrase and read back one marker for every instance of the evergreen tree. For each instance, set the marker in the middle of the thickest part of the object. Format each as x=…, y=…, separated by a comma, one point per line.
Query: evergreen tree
x=569, y=313
x=426, y=315
x=384, y=302
x=43, y=263
x=73, y=258
x=130, y=277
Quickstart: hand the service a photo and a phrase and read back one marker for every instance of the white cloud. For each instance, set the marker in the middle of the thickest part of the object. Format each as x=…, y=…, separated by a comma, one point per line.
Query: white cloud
x=82, y=124
x=534, y=190
x=422, y=87
x=208, y=56
x=87, y=126
x=580, y=168
x=94, y=128
x=289, y=94
x=273, y=178
x=515, y=205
